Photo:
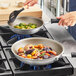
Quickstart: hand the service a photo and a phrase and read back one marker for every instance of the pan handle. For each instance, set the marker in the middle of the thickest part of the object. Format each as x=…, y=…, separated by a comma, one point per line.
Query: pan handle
x=73, y=54
x=55, y=20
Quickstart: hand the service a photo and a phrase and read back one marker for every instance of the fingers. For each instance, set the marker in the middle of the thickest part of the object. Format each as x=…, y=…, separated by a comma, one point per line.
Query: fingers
x=27, y=2
x=67, y=22
x=60, y=17
x=68, y=19
x=32, y=3
x=61, y=22
x=27, y=7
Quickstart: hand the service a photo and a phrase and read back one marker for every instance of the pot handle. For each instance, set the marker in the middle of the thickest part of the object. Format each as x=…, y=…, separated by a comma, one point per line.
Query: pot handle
x=73, y=54
x=55, y=20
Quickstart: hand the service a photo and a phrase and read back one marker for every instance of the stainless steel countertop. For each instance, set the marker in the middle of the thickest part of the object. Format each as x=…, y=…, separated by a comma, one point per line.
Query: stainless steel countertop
x=60, y=34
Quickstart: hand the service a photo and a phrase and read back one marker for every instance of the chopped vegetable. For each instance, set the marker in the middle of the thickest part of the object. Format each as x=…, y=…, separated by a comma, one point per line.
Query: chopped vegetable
x=25, y=26
x=21, y=50
x=40, y=46
x=47, y=54
x=34, y=57
x=36, y=51
x=42, y=54
x=29, y=56
x=53, y=52
x=23, y=56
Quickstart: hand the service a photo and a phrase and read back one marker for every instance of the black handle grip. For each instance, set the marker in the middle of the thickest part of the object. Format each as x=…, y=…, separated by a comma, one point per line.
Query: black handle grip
x=55, y=20
x=73, y=54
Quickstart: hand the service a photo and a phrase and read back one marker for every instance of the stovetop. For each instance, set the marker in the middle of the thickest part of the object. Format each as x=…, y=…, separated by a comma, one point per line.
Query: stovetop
x=12, y=67
x=6, y=35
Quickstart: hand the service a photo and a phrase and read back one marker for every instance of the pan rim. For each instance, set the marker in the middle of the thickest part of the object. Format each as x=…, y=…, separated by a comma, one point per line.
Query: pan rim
x=38, y=59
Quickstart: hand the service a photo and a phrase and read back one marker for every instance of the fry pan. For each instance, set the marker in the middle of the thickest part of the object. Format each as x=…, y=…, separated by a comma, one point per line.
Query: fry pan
x=28, y=19
x=56, y=46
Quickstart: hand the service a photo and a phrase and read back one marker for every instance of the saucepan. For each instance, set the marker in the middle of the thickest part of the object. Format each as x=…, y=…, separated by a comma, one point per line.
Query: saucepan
x=27, y=20
x=56, y=46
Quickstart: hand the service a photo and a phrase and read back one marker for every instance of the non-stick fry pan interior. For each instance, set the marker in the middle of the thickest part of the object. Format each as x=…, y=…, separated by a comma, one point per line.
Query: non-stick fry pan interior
x=27, y=20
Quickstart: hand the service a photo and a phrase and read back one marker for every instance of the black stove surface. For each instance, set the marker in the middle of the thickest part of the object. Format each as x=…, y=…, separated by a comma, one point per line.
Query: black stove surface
x=10, y=66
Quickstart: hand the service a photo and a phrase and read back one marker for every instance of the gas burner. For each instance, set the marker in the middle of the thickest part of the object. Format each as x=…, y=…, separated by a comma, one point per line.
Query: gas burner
x=8, y=37
x=19, y=37
x=34, y=67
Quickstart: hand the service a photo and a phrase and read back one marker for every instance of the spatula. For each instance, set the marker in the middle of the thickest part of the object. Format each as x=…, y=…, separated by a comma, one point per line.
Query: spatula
x=14, y=14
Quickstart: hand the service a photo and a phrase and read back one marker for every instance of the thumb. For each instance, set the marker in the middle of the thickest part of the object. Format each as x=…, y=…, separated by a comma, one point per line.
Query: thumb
x=59, y=17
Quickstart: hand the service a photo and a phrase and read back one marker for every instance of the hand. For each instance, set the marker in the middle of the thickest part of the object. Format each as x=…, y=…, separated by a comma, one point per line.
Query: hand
x=31, y=2
x=68, y=19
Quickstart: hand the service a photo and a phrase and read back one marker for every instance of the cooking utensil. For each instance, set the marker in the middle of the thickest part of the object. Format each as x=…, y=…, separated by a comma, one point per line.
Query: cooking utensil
x=14, y=14
x=28, y=19
x=56, y=46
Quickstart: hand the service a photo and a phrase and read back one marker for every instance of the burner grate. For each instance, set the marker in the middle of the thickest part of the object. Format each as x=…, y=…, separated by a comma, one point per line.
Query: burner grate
x=4, y=67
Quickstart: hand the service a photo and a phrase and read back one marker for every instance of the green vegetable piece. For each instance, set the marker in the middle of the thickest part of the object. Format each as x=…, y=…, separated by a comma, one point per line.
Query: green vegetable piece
x=24, y=26
x=40, y=50
x=33, y=26
x=17, y=26
x=21, y=24
x=24, y=51
x=42, y=55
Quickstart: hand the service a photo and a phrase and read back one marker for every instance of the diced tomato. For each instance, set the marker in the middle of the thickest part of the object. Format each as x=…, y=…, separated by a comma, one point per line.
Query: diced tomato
x=53, y=52
x=36, y=46
x=37, y=53
x=41, y=46
x=21, y=50
x=28, y=46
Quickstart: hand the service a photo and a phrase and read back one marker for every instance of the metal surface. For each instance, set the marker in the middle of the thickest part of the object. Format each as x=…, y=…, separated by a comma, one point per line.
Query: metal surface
x=65, y=4
x=27, y=20
x=58, y=8
x=60, y=34
x=56, y=46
